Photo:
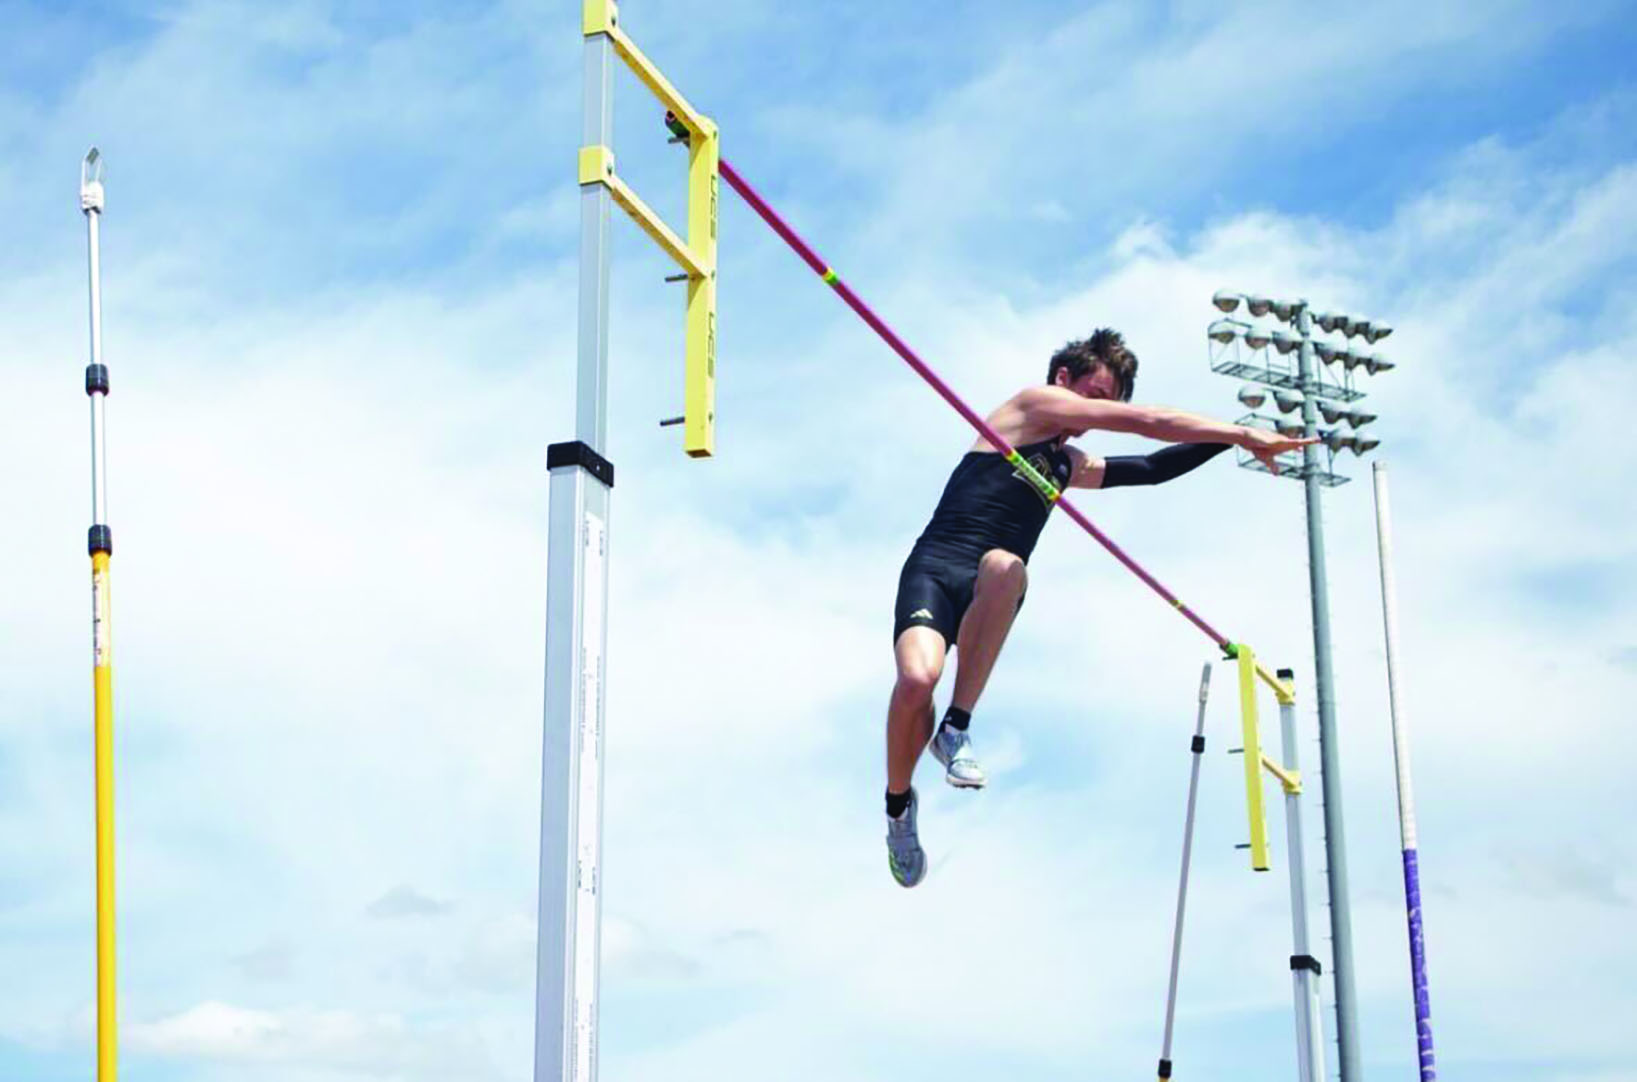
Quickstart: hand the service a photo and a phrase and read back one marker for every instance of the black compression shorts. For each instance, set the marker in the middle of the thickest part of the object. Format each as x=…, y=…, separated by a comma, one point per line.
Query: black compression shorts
x=934, y=592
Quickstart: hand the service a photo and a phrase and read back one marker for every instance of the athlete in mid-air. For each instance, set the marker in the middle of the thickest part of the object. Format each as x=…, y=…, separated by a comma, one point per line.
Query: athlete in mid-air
x=964, y=580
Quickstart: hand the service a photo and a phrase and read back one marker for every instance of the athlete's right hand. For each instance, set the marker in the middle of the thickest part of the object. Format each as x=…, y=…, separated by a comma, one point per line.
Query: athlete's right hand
x=1267, y=446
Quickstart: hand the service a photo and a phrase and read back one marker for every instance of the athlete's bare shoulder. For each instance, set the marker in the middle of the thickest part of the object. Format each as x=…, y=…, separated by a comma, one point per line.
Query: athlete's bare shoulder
x=1033, y=414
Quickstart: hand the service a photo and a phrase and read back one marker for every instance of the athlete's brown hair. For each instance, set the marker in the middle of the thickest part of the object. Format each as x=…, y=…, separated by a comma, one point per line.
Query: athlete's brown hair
x=1106, y=346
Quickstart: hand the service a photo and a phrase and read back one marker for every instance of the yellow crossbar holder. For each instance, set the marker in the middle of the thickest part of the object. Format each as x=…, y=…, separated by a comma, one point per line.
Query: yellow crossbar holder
x=1250, y=670
x=696, y=255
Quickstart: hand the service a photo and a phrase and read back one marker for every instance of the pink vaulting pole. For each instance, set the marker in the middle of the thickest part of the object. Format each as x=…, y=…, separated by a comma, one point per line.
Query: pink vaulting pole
x=822, y=269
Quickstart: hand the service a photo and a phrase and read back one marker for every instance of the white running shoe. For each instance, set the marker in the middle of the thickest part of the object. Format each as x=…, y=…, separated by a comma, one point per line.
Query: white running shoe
x=953, y=748
x=905, y=856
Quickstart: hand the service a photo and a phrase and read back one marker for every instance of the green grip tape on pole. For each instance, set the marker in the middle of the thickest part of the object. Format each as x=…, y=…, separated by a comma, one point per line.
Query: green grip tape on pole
x=1034, y=477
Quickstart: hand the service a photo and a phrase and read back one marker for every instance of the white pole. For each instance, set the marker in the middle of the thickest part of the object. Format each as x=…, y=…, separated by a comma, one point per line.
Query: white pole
x=1197, y=747
x=1406, y=796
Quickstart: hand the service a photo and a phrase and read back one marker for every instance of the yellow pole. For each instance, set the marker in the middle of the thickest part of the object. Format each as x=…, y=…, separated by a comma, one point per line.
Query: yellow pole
x=103, y=681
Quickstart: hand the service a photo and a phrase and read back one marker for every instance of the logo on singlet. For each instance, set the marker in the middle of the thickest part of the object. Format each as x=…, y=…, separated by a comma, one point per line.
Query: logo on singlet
x=921, y=614
x=1042, y=467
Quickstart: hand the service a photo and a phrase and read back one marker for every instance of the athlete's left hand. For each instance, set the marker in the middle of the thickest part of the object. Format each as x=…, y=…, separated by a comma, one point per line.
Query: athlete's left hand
x=1268, y=446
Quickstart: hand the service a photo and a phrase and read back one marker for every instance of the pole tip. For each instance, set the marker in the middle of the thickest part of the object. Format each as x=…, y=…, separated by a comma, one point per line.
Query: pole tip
x=91, y=174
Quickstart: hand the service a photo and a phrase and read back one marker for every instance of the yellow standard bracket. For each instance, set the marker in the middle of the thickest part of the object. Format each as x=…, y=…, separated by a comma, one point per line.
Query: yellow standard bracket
x=1259, y=858
x=597, y=167
x=1291, y=780
x=603, y=17
x=696, y=255
x=1283, y=691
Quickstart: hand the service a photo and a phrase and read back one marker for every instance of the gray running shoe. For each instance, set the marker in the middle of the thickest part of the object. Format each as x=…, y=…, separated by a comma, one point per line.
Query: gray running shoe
x=953, y=748
x=905, y=856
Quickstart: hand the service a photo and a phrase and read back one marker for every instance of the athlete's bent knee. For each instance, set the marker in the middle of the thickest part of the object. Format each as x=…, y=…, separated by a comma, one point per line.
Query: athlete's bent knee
x=916, y=681
x=1002, y=571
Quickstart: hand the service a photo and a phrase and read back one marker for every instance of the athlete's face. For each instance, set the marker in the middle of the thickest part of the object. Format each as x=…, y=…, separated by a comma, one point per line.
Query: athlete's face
x=1098, y=383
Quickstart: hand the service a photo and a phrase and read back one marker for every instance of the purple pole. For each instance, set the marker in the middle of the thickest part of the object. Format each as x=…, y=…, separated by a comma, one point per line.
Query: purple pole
x=1406, y=797
x=822, y=269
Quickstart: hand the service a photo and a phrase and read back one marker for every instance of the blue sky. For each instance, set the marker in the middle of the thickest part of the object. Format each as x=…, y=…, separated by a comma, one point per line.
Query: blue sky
x=339, y=263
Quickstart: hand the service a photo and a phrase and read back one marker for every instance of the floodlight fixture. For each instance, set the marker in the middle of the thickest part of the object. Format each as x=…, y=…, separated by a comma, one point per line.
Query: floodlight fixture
x=1257, y=337
x=1332, y=412
x=1337, y=440
x=1378, y=331
x=1348, y=359
x=1286, y=310
x=1286, y=400
x=1258, y=304
x=1362, y=444
x=1330, y=322
x=1253, y=396
x=1361, y=327
x=1325, y=350
x=1285, y=342
x=1225, y=299
x=1290, y=429
x=1359, y=418
x=1375, y=363
x=1223, y=330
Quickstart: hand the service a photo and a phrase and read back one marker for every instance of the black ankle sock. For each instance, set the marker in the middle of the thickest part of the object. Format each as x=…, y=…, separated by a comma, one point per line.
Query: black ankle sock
x=956, y=718
x=897, y=803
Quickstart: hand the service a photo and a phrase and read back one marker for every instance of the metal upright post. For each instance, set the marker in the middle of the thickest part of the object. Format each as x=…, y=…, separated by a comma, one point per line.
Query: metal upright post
x=1304, y=968
x=1197, y=747
x=101, y=544
x=1406, y=796
x=576, y=639
x=1341, y=923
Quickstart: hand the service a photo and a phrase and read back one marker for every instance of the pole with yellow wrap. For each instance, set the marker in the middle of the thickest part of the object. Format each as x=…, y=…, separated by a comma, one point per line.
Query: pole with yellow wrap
x=101, y=545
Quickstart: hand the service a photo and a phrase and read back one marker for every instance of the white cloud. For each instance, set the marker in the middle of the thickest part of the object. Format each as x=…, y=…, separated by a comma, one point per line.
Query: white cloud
x=303, y=1043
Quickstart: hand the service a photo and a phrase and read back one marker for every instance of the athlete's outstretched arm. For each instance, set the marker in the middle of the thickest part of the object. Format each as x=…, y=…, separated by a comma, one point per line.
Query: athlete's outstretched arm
x=1062, y=412
x=1074, y=415
x=1121, y=471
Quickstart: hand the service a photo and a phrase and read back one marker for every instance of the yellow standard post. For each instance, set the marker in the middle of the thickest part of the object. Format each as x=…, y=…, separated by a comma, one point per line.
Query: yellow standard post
x=1259, y=859
x=102, y=674
x=699, y=373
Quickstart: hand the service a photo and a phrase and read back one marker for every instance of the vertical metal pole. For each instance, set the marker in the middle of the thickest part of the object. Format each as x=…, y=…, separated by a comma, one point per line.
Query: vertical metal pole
x=567, y=965
x=101, y=545
x=1335, y=844
x=1304, y=968
x=1197, y=747
x=1406, y=796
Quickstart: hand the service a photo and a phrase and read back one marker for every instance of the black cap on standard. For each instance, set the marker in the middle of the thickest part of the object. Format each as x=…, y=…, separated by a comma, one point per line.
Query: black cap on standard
x=1286, y=674
x=101, y=540
x=96, y=379
x=578, y=453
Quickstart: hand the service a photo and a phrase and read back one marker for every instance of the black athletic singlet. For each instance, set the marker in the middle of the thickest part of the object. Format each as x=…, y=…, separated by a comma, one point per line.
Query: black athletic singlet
x=986, y=504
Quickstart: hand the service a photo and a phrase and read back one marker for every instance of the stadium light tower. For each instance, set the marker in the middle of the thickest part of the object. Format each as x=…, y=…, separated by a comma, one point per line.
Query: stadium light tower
x=1240, y=350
